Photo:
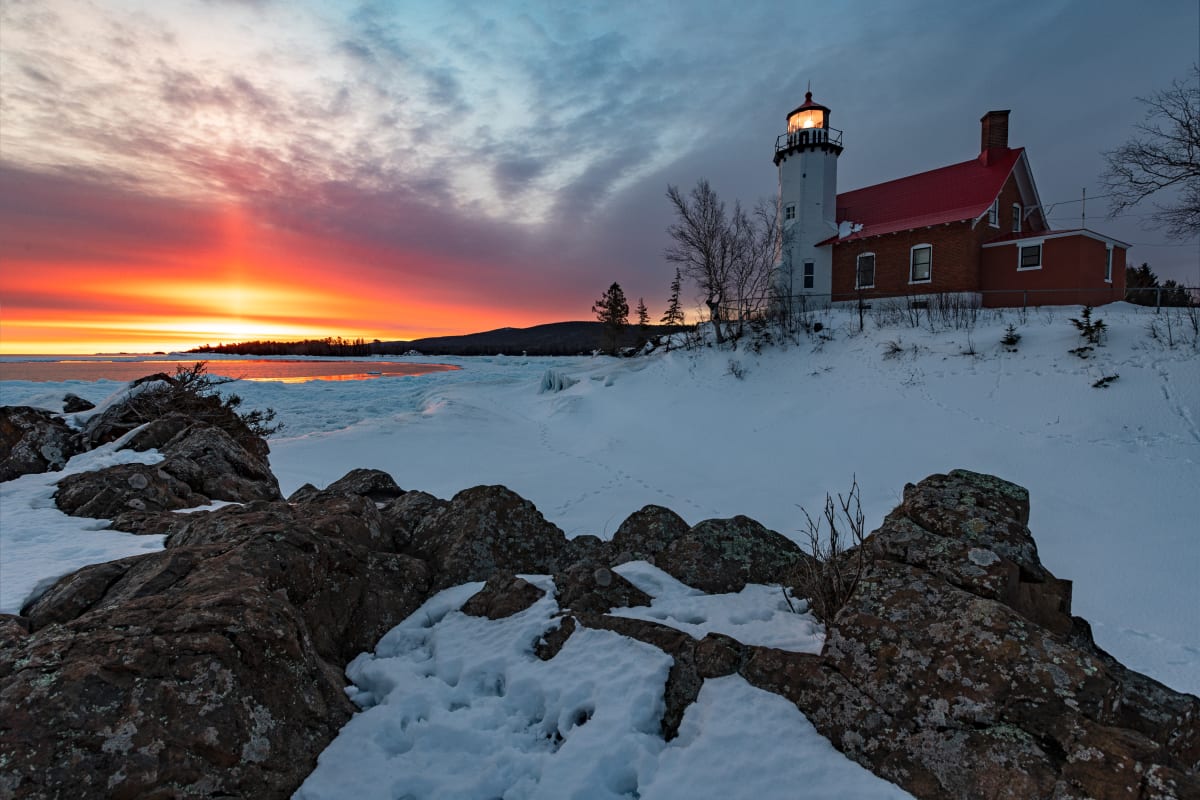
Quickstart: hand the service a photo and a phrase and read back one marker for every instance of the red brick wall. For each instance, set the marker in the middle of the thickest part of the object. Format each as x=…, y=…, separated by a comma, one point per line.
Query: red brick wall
x=1072, y=273
x=956, y=254
x=954, y=265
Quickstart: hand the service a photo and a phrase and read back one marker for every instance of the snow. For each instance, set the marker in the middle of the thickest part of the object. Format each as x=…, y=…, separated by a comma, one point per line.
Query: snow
x=757, y=615
x=1113, y=475
x=459, y=706
x=39, y=543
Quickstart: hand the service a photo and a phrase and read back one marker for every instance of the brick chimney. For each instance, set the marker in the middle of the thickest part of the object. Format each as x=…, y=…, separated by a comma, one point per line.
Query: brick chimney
x=993, y=135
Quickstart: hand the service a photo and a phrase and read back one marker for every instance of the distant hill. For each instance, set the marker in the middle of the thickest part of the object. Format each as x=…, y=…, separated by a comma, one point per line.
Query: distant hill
x=552, y=339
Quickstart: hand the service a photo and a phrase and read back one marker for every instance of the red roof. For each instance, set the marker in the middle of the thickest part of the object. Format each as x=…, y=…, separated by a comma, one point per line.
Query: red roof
x=949, y=194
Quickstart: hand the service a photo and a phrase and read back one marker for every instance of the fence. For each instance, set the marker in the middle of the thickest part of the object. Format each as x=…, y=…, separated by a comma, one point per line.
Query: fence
x=1157, y=297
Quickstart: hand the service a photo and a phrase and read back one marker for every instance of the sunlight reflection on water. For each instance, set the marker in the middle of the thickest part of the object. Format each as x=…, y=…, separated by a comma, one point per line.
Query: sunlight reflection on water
x=76, y=369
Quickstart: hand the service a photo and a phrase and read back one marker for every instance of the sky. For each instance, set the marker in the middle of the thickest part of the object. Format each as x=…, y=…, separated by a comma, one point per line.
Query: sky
x=203, y=171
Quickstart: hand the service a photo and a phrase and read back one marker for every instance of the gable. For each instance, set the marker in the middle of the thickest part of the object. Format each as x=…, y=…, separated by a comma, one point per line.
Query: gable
x=959, y=192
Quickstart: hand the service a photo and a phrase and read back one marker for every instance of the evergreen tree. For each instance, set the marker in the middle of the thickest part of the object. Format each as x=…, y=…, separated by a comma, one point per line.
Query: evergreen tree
x=643, y=315
x=1142, y=288
x=674, y=313
x=612, y=310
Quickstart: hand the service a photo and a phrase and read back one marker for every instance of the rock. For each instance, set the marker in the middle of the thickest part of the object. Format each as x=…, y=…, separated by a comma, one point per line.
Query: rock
x=552, y=640
x=201, y=463
x=109, y=492
x=375, y=484
x=723, y=555
x=946, y=673
x=73, y=404
x=588, y=587
x=215, y=464
x=33, y=440
x=121, y=417
x=209, y=669
x=160, y=523
x=484, y=530
x=159, y=396
x=350, y=518
x=503, y=595
x=303, y=494
x=646, y=533
x=405, y=514
x=588, y=548
x=13, y=629
x=155, y=434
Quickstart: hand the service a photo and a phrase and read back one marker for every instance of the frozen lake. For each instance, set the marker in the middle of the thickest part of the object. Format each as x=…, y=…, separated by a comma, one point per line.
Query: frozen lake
x=42, y=369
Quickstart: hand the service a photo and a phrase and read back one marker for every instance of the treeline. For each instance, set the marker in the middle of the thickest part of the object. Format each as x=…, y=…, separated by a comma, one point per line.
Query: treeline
x=329, y=346
x=553, y=339
x=1142, y=288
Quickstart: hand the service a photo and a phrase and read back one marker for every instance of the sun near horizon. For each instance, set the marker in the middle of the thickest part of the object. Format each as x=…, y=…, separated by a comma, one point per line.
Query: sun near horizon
x=236, y=278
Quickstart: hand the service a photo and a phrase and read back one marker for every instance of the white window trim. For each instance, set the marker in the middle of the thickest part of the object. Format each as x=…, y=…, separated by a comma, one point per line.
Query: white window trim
x=792, y=208
x=913, y=249
x=874, y=265
x=803, y=276
x=993, y=214
x=1016, y=226
x=1108, y=264
x=1039, y=243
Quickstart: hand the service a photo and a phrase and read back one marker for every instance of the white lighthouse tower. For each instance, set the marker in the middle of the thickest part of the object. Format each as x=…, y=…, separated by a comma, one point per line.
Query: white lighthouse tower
x=807, y=159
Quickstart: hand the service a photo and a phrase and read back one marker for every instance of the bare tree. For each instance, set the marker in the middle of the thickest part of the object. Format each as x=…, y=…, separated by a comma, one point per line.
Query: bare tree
x=1164, y=155
x=757, y=236
x=702, y=245
x=728, y=256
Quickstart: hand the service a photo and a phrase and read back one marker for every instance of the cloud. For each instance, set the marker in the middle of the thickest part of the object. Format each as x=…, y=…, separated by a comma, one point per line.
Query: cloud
x=517, y=152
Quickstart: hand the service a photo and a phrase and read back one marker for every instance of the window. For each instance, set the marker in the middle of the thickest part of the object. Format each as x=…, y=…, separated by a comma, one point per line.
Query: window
x=1030, y=257
x=1016, y=217
x=865, y=275
x=920, y=261
x=789, y=211
x=1108, y=264
x=994, y=213
x=810, y=271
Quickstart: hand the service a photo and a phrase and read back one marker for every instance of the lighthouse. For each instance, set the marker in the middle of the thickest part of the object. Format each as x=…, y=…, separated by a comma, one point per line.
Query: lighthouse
x=806, y=156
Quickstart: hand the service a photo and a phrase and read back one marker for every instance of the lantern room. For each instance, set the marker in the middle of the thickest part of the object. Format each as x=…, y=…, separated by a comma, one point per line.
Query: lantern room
x=809, y=115
x=807, y=128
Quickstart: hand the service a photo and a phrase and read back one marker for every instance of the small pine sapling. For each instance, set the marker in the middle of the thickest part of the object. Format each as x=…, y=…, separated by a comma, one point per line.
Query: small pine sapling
x=1011, y=338
x=1093, y=330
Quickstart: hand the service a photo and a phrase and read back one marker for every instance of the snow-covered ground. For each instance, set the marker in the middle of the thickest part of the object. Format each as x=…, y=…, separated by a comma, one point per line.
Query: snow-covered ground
x=1114, y=472
x=459, y=706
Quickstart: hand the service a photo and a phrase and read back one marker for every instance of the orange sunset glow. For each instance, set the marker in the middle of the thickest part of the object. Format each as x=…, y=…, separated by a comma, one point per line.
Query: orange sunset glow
x=248, y=281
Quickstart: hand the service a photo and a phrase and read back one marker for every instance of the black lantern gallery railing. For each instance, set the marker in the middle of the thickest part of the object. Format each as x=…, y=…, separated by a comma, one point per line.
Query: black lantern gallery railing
x=807, y=136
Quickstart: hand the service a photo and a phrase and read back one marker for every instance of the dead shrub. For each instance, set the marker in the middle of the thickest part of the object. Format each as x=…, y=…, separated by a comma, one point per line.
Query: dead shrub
x=835, y=540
